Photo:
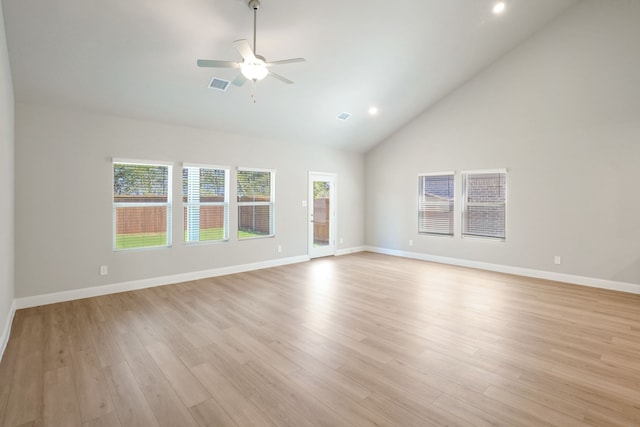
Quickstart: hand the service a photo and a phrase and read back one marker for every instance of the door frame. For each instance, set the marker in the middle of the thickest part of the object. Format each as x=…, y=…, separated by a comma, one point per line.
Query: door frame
x=330, y=249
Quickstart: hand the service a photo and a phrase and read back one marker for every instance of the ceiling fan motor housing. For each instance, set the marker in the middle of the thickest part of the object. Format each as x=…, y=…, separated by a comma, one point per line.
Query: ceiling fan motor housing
x=254, y=4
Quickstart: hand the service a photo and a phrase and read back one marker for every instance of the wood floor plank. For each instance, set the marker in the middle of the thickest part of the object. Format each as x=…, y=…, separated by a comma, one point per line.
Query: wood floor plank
x=61, y=408
x=261, y=351
x=210, y=414
x=93, y=393
x=26, y=399
x=162, y=398
x=346, y=406
x=106, y=345
x=595, y=401
x=358, y=340
x=107, y=420
x=297, y=406
x=238, y=406
x=533, y=408
x=57, y=350
x=471, y=414
x=184, y=383
x=7, y=369
x=409, y=414
x=130, y=404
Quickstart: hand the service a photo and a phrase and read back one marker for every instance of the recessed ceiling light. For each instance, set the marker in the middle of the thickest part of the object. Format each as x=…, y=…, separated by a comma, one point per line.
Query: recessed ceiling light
x=373, y=111
x=499, y=7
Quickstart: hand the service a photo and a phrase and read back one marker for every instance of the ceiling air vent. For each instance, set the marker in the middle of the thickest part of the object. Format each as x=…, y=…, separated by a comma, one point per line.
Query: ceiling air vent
x=344, y=116
x=219, y=84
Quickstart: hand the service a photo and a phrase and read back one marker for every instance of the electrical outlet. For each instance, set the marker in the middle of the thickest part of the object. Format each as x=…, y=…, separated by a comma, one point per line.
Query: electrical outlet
x=557, y=260
x=104, y=270
x=279, y=248
x=410, y=242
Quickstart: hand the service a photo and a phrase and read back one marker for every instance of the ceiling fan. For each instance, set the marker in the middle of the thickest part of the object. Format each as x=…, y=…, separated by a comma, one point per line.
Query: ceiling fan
x=253, y=66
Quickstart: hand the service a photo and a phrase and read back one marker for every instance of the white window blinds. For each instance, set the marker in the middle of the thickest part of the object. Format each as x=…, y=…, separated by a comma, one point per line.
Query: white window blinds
x=435, y=203
x=484, y=204
x=205, y=199
x=141, y=205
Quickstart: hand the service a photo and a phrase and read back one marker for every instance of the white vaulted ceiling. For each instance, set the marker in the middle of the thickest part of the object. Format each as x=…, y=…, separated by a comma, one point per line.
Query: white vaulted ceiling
x=137, y=58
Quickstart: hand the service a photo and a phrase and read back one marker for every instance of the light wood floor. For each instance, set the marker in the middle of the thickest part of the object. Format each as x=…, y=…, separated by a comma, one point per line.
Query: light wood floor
x=358, y=340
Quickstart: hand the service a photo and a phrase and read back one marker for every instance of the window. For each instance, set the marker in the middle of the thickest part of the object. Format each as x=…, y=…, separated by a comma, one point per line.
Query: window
x=141, y=205
x=255, y=203
x=484, y=203
x=435, y=203
x=205, y=198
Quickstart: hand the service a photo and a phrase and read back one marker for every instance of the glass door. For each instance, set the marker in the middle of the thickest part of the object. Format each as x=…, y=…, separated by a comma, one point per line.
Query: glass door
x=322, y=214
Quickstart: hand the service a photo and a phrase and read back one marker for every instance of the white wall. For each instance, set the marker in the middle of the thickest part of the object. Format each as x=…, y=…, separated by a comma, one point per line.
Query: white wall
x=6, y=186
x=562, y=113
x=64, y=197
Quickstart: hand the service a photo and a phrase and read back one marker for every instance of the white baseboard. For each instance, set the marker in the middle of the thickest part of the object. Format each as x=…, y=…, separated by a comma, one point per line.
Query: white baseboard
x=538, y=274
x=6, y=330
x=348, y=251
x=95, y=291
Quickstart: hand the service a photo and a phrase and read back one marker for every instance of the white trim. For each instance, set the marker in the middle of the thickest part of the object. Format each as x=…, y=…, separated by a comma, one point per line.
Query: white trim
x=447, y=173
x=255, y=203
x=262, y=236
x=140, y=205
x=243, y=169
x=141, y=162
x=95, y=291
x=205, y=166
x=322, y=173
x=527, y=272
x=353, y=250
x=483, y=171
x=6, y=331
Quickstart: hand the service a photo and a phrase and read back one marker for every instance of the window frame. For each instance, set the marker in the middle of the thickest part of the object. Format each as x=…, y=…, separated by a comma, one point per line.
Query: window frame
x=168, y=204
x=225, y=203
x=421, y=212
x=271, y=203
x=465, y=204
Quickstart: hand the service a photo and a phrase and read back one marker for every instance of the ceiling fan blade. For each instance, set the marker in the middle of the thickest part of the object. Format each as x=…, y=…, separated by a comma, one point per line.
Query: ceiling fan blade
x=240, y=80
x=285, y=61
x=279, y=77
x=245, y=50
x=212, y=63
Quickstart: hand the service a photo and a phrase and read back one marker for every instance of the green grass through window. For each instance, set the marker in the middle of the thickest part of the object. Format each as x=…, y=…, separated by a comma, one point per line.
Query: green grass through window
x=209, y=234
x=140, y=240
x=151, y=240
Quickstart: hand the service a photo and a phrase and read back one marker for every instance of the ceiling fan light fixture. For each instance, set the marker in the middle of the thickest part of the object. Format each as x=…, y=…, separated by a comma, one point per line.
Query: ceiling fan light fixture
x=499, y=7
x=254, y=70
x=253, y=67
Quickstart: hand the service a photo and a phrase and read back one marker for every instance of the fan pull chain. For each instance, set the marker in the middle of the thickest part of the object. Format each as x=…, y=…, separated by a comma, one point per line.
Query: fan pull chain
x=253, y=91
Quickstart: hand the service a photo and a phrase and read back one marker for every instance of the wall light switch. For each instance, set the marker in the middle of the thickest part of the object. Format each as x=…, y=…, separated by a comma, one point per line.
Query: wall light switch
x=304, y=203
x=557, y=260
